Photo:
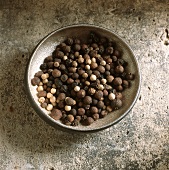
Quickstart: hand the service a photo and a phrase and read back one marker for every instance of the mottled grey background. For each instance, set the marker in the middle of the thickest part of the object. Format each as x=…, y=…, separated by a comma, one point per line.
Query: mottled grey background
x=139, y=142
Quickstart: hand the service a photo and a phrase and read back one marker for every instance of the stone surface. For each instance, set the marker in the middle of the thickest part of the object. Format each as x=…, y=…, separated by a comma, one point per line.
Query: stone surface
x=139, y=142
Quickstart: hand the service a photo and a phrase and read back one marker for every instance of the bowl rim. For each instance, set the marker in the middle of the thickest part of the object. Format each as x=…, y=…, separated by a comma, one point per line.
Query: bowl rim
x=54, y=123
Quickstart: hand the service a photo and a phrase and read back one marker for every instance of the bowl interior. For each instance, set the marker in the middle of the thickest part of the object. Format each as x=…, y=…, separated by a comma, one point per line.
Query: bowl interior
x=47, y=46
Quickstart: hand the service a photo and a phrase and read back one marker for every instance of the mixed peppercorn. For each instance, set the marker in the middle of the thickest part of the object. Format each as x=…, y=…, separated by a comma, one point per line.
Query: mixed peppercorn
x=82, y=82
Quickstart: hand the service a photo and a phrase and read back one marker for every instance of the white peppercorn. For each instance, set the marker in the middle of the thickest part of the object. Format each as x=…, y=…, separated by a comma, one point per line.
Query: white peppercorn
x=53, y=90
x=67, y=108
x=100, y=86
x=52, y=99
x=65, y=57
x=40, y=88
x=49, y=95
x=103, y=81
x=49, y=107
x=88, y=61
x=87, y=67
x=93, y=77
x=41, y=100
x=103, y=63
x=76, y=88
x=44, y=76
x=111, y=96
x=45, y=81
x=84, y=75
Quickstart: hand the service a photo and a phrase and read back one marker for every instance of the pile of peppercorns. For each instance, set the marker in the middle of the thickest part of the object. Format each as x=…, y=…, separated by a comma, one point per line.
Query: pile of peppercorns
x=82, y=82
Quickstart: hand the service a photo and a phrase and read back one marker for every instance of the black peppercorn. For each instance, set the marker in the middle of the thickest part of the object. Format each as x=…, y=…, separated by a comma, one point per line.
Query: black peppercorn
x=100, y=104
x=77, y=47
x=109, y=50
x=59, y=54
x=69, y=41
x=64, y=77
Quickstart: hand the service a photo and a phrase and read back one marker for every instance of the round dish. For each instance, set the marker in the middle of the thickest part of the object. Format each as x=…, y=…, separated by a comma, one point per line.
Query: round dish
x=47, y=46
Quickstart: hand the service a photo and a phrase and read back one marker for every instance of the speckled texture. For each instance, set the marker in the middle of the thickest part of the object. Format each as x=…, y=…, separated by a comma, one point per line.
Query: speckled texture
x=139, y=142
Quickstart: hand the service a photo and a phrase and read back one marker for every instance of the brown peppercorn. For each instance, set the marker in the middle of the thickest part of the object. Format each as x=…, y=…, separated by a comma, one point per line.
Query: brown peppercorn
x=103, y=113
x=77, y=47
x=42, y=94
x=56, y=73
x=72, y=69
x=116, y=104
x=70, y=81
x=101, y=69
x=91, y=91
x=117, y=81
x=62, y=67
x=59, y=54
x=35, y=81
x=95, y=116
x=105, y=92
x=56, y=114
x=100, y=104
x=80, y=72
x=48, y=59
x=89, y=121
x=119, y=88
x=125, y=83
x=99, y=95
x=93, y=65
x=87, y=100
x=119, y=69
x=61, y=104
x=93, y=110
x=44, y=105
x=93, y=53
x=116, y=53
x=119, y=95
x=81, y=111
x=70, y=118
x=38, y=74
x=81, y=94
x=109, y=60
x=130, y=76
x=107, y=67
x=61, y=96
x=75, y=75
x=64, y=77
x=69, y=101
x=109, y=78
x=97, y=73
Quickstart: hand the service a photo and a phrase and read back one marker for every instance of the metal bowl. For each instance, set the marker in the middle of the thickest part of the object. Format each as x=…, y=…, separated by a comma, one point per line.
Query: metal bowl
x=47, y=46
